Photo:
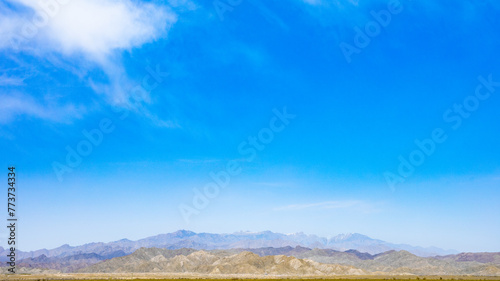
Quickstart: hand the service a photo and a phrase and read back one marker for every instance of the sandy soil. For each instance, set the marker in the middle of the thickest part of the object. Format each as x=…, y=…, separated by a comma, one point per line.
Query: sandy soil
x=157, y=276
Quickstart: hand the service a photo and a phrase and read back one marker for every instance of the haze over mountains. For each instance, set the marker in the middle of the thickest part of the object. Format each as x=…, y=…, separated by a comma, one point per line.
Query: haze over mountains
x=244, y=240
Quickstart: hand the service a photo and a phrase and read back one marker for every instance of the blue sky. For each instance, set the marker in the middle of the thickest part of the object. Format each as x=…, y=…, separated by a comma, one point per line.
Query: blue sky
x=171, y=91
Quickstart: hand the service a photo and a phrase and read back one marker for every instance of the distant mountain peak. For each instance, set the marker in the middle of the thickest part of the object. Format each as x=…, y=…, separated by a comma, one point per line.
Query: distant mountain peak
x=342, y=236
x=350, y=237
x=184, y=233
x=124, y=240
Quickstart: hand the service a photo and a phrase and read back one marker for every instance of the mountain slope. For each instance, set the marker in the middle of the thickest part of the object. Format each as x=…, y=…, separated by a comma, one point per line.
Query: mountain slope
x=153, y=260
x=493, y=258
x=319, y=262
x=63, y=264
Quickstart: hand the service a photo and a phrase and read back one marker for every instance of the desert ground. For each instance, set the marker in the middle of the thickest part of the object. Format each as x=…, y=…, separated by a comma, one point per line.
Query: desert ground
x=249, y=277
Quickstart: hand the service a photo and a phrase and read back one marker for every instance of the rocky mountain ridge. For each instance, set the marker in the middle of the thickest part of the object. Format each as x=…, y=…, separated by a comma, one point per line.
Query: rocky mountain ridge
x=246, y=262
x=157, y=260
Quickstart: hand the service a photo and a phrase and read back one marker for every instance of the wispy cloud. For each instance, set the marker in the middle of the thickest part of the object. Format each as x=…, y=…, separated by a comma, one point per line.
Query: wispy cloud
x=6, y=80
x=328, y=205
x=183, y=4
x=338, y=3
x=269, y=15
x=208, y=161
x=17, y=104
x=273, y=184
x=199, y=161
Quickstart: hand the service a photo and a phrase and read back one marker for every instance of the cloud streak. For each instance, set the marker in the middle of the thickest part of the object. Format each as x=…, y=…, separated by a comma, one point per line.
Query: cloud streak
x=17, y=104
x=6, y=80
x=345, y=204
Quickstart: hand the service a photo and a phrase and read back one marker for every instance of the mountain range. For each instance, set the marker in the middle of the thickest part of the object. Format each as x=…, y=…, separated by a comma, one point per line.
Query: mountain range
x=257, y=253
x=243, y=240
x=293, y=261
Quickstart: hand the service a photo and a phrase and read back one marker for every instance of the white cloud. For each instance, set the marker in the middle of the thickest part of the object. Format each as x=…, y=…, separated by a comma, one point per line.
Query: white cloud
x=9, y=26
x=95, y=31
x=95, y=28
